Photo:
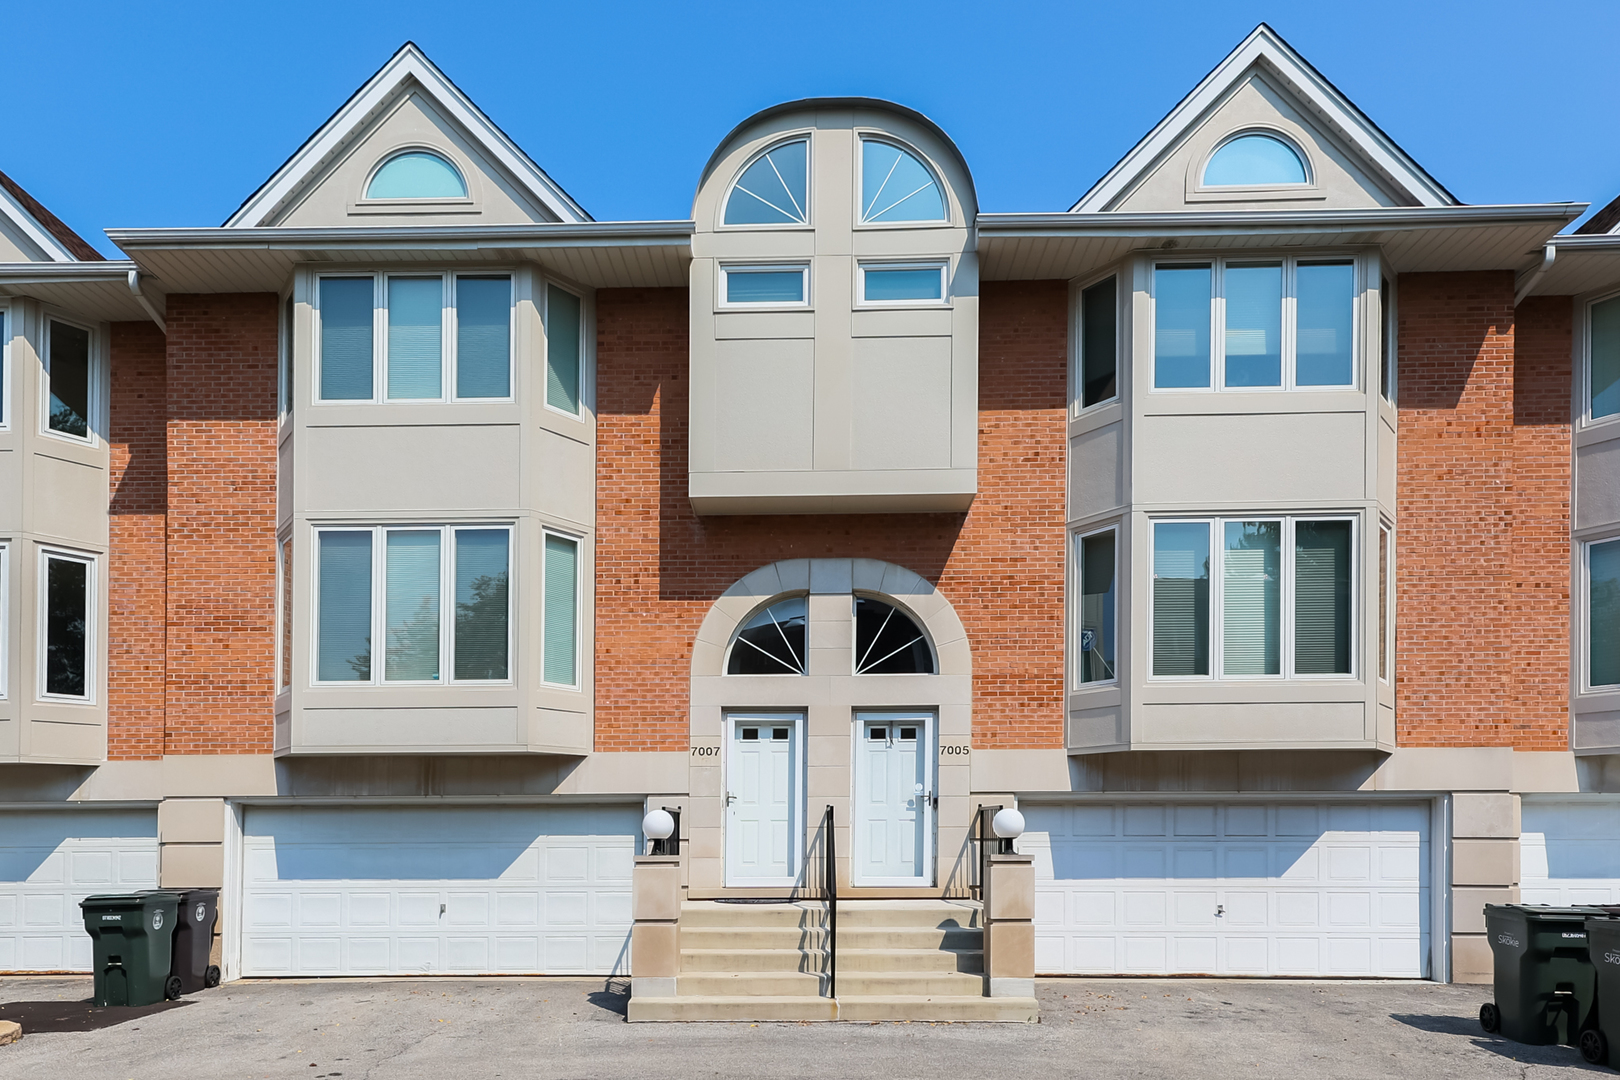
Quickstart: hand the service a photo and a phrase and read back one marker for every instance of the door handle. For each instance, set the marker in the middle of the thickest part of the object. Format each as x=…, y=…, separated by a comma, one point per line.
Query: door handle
x=730, y=798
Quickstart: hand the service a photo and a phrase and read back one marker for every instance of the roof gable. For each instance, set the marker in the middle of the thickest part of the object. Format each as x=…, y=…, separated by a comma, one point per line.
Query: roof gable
x=1265, y=60
x=37, y=234
x=408, y=88
x=1605, y=222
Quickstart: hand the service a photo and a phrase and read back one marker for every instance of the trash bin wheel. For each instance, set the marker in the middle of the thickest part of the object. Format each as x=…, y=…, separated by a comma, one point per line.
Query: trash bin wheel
x=171, y=989
x=1490, y=1017
x=211, y=979
x=1594, y=1047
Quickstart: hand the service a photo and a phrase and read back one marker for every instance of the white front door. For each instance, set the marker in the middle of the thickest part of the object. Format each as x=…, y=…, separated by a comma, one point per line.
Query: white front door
x=894, y=799
x=764, y=799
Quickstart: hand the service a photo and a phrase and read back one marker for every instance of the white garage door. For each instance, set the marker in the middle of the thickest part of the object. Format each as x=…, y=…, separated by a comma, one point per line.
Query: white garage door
x=1569, y=850
x=49, y=861
x=397, y=890
x=1327, y=889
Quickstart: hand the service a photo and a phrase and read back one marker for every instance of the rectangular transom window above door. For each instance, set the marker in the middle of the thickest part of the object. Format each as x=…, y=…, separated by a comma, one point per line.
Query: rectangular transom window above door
x=886, y=284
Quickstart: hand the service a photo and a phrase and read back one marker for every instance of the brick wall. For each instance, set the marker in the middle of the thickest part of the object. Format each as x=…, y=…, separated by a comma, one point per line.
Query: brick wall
x=659, y=566
x=1483, y=482
x=137, y=595
x=221, y=397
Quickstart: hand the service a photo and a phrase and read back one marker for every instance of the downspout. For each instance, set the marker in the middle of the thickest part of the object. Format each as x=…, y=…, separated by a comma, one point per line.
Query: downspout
x=140, y=298
x=1530, y=282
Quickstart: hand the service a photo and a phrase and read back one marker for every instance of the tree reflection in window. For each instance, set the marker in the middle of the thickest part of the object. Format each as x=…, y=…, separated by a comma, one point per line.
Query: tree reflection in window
x=772, y=642
x=888, y=642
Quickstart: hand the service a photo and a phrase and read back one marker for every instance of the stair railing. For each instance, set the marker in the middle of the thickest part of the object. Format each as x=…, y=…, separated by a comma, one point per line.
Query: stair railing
x=829, y=886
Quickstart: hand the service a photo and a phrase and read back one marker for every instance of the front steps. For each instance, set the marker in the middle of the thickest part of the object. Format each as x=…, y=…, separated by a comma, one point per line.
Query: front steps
x=897, y=960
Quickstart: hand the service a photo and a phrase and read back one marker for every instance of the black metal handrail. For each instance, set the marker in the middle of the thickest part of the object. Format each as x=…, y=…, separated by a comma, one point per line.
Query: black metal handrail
x=829, y=885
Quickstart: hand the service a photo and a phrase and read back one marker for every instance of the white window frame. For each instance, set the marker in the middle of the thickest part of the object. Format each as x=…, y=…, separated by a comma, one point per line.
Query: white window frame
x=379, y=606
x=448, y=353
x=283, y=614
x=803, y=136
x=5, y=621
x=93, y=378
x=1079, y=538
x=1389, y=333
x=1584, y=660
x=1077, y=329
x=366, y=199
x=1587, y=419
x=941, y=265
x=1279, y=135
x=1286, y=629
x=285, y=372
x=579, y=608
x=726, y=269
x=864, y=136
x=8, y=329
x=587, y=336
x=1290, y=323
x=92, y=628
x=1387, y=646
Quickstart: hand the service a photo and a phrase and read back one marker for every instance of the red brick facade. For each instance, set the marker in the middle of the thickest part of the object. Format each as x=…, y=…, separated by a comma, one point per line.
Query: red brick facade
x=659, y=566
x=1482, y=541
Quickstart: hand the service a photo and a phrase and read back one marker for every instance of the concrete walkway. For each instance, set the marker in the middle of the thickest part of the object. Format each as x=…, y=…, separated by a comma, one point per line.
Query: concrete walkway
x=447, y=1029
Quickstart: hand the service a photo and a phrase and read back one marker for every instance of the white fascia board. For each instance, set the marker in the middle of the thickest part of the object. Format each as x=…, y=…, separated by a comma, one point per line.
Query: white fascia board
x=407, y=64
x=41, y=273
x=424, y=237
x=1234, y=222
x=34, y=230
x=1263, y=45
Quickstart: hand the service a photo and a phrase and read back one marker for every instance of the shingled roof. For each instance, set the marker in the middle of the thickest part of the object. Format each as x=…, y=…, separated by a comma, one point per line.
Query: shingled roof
x=72, y=241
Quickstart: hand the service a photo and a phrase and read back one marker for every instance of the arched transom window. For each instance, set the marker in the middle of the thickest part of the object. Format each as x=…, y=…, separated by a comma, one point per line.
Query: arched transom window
x=896, y=186
x=417, y=174
x=772, y=642
x=772, y=191
x=775, y=640
x=888, y=641
x=1255, y=160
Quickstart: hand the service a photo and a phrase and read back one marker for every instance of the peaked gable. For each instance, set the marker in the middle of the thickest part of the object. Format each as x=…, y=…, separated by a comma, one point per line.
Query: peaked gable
x=407, y=105
x=1266, y=87
x=1605, y=222
x=31, y=233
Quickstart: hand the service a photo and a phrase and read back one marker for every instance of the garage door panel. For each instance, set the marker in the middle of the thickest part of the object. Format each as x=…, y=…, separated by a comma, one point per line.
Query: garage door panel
x=1194, y=862
x=1146, y=955
x=1144, y=820
x=1294, y=861
x=1201, y=954
x=1195, y=821
x=1145, y=862
x=1349, y=863
x=1349, y=909
x=1570, y=850
x=1247, y=956
x=1245, y=861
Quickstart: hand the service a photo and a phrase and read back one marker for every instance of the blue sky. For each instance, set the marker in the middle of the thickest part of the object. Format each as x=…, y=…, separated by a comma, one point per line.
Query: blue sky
x=171, y=114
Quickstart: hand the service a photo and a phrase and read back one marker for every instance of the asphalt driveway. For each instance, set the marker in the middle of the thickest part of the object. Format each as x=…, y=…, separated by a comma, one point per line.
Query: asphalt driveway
x=446, y=1029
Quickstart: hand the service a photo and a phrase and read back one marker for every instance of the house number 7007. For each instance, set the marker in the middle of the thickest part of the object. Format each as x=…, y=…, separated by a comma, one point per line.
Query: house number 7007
x=705, y=751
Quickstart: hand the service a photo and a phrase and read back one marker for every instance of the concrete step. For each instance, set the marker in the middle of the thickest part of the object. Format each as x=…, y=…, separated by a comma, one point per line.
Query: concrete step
x=754, y=937
x=964, y=914
x=969, y=960
x=709, y=913
x=887, y=984
x=906, y=937
x=751, y=984
x=780, y=960
x=1005, y=1010
x=732, y=1008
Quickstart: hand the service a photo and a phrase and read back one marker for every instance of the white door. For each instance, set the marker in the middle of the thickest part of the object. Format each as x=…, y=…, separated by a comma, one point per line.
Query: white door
x=405, y=890
x=764, y=799
x=1303, y=889
x=893, y=837
x=52, y=859
x=1569, y=850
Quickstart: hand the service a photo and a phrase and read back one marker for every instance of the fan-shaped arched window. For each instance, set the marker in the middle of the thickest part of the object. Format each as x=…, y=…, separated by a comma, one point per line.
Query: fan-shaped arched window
x=417, y=174
x=771, y=191
x=772, y=642
x=1255, y=160
x=888, y=642
x=895, y=186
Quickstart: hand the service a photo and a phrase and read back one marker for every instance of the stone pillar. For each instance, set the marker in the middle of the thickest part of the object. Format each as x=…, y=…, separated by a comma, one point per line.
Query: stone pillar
x=1009, y=926
x=1484, y=870
x=655, y=943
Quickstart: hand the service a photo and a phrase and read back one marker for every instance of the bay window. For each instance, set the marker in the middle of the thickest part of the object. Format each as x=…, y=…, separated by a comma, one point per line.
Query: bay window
x=1253, y=598
x=560, y=665
x=68, y=582
x=1603, y=358
x=69, y=379
x=1254, y=324
x=397, y=585
x=1603, y=613
x=1098, y=572
x=1099, y=343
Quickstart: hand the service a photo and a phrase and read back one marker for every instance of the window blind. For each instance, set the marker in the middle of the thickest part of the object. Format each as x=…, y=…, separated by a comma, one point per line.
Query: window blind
x=1181, y=598
x=1322, y=597
x=482, y=613
x=67, y=583
x=1251, y=606
x=343, y=630
x=411, y=590
x=346, y=344
x=1603, y=613
x=562, y=349
x=415, y=337
x=562, y=610
x=483, y=337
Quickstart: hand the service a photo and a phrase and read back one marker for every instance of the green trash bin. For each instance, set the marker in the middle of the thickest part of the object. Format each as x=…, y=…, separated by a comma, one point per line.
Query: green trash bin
x=1603, y=945
x=133, y=937
x=1543, y=976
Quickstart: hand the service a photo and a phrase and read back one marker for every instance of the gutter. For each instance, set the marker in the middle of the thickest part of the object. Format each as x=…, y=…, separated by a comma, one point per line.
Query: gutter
x=1376, y=219
x=1549, y=255
x=134, y=280
x=419, y=237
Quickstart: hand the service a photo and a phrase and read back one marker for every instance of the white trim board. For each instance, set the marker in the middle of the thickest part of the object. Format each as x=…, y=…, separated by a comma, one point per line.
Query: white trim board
x=1316, y=96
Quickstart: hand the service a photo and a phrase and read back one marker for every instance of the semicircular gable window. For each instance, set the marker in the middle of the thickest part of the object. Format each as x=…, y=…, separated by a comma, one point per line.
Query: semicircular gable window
x=771, y=191
x=888, y=641
x=895, y=186
x=772, y=642
x=1255, y=160
x=417, y=174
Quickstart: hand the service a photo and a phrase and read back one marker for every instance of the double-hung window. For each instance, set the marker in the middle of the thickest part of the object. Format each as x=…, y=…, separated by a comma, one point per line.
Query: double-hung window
x=70, y=380
x=1603, y=614
x=436, y=598
x=414, y=337
x=1096, y=556
x=1253, y=598
x=1603, y=359
x=1254, y=324
x=67, y=616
